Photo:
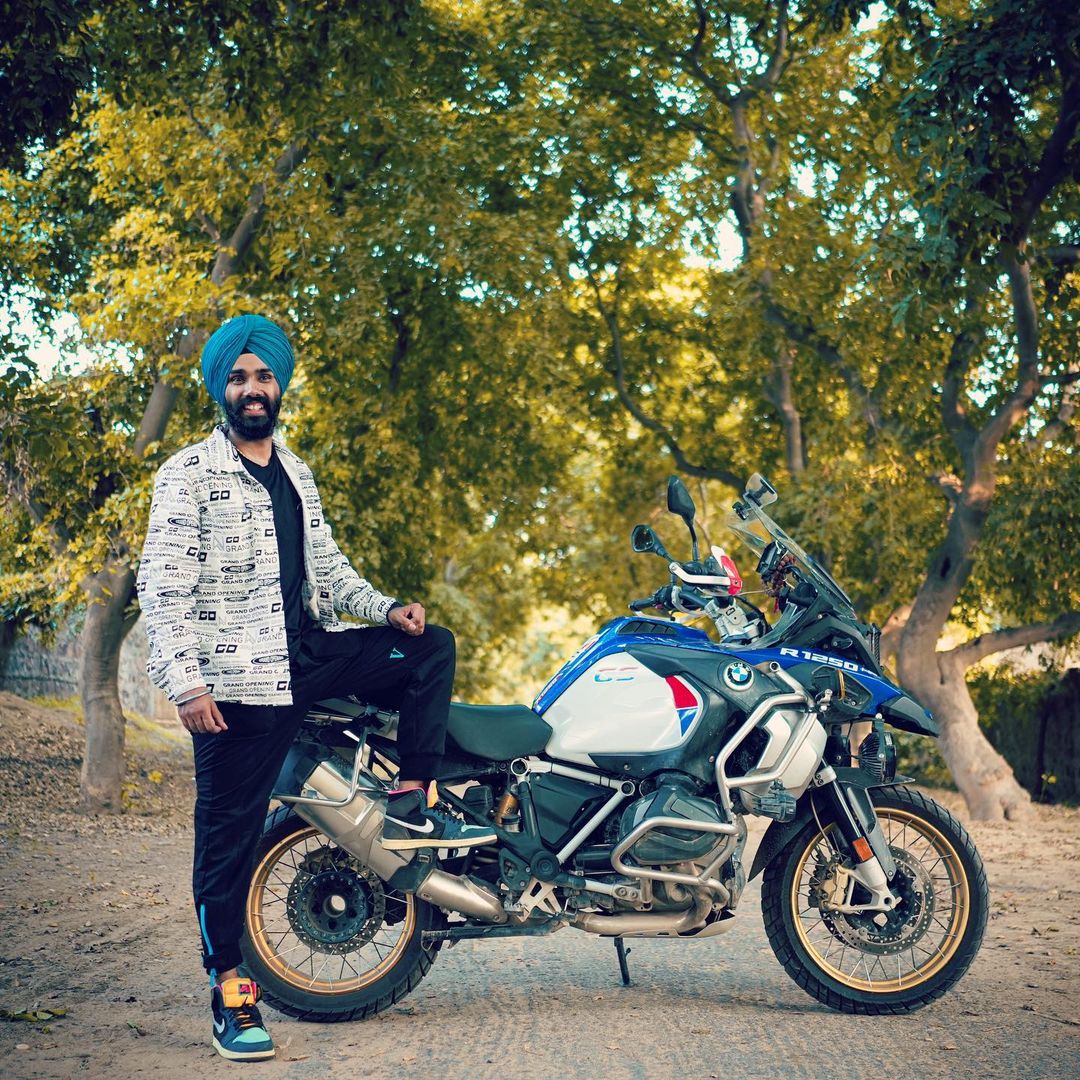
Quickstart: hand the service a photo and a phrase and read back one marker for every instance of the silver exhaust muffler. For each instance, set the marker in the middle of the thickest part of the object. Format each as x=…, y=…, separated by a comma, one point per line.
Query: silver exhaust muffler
x=646, y=923
x=354, y=821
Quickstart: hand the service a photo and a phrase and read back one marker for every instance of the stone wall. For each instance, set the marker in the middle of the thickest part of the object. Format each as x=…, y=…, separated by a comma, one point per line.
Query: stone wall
x=1041, y=739
x=31, y=670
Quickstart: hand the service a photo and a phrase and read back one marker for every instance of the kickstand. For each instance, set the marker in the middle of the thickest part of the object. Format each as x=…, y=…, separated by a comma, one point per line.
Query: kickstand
x=623, y=952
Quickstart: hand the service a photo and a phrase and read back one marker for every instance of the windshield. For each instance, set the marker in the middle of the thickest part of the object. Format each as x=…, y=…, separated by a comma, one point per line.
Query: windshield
x=757, y=530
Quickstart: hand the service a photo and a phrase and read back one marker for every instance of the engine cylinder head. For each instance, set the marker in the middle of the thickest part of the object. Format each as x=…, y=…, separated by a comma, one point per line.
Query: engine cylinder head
x=665, y=843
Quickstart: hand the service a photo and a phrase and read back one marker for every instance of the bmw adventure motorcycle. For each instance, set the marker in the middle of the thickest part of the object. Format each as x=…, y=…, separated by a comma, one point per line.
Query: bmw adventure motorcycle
x=619, y=800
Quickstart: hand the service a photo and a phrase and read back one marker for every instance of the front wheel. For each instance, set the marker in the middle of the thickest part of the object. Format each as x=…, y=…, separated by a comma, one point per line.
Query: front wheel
x=324, y=936
x=875, y=962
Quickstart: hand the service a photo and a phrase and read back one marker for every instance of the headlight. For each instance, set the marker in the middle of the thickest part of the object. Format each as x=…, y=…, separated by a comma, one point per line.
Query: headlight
x=877, y=754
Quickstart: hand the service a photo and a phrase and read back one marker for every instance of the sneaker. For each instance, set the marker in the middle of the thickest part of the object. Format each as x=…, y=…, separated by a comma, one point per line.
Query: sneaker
x=410, y=823
x=239, y=1034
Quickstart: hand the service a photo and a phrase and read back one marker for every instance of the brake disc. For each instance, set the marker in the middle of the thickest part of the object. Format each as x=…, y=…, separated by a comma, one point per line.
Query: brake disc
x=335, y=905
x=886, y=933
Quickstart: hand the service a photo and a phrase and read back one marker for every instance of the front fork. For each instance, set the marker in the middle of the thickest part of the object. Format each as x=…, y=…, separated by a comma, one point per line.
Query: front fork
x=861, y=838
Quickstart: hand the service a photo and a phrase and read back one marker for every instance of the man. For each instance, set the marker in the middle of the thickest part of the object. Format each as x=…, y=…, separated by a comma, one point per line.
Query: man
x=240, y=583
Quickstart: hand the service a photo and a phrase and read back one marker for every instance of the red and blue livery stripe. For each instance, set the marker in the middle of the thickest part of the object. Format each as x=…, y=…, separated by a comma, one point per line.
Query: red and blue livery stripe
x=688, y=702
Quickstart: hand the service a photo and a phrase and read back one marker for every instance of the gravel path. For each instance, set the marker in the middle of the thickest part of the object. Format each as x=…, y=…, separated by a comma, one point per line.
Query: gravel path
x=96, y=921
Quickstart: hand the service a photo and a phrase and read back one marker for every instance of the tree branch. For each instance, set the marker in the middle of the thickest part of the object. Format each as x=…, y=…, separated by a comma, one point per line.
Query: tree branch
x=1061, y=254
x=254, y=212
x=162, y=400
x=1013, y=637
x=210, y=227
x=964, y=346
x=804, y=333
x=782, y=396
x=20, y=491
x=1070, y=394
x=692, y=56
x=1056, y=161
x=952, y=487
x=891, y=630
x=1028, y=382
x=771, y=74
x=610, y=314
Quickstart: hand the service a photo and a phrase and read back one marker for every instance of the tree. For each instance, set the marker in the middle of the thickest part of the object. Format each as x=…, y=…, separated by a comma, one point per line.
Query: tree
x=499, y=235
x=252, y=164
x=47, y=56
x=869, y=315
x=995, y=121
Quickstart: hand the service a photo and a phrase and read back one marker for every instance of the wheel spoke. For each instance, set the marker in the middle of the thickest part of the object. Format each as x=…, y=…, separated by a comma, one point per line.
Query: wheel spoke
x=293, y=935
x=918, y=936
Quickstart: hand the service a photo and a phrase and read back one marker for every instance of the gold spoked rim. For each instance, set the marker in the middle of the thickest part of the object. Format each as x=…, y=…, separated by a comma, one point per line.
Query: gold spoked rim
x=924, y=932
x=293, y=919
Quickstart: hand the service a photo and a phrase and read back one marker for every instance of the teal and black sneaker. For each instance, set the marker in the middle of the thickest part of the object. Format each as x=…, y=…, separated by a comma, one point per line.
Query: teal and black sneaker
x=239, y=1034
x=410, y=823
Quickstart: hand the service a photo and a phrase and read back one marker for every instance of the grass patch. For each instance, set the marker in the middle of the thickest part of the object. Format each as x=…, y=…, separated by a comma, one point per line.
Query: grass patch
x=141, y=734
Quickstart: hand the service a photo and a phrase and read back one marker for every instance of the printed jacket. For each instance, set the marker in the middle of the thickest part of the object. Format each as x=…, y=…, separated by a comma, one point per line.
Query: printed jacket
x=209, y=581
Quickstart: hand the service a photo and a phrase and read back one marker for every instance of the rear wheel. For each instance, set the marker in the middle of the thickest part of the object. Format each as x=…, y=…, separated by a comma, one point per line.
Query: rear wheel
x=324, y=936
x=876, y=962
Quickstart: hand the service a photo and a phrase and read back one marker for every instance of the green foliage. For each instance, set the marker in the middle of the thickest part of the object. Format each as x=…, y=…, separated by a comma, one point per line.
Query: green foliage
x=481, y=193
x=988, y=95
x=48, y=54
x=920, y=758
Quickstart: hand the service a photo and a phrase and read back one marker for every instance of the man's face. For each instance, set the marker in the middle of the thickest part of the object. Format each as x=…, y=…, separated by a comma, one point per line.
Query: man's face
x=252, y=398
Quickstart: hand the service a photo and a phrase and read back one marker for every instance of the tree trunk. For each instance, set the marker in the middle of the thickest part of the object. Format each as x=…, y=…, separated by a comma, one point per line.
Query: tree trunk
x=107, y=623
x=783, y=398
x=111, y=590
x=983, y=776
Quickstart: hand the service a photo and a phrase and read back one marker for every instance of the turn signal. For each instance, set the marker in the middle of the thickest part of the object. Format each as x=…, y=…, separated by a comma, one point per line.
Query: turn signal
x=862, y=849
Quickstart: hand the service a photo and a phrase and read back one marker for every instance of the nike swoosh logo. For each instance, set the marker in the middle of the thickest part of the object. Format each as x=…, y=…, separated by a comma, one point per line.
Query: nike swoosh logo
x=429, y=826
x=219, y=1028
x=396, y=655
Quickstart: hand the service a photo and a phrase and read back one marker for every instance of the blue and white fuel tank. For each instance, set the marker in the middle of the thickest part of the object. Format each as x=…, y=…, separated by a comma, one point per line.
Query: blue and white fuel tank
x=605, y=701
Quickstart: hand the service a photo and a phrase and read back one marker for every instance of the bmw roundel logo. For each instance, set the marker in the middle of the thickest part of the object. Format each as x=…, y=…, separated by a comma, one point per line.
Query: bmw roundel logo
x=738, y=675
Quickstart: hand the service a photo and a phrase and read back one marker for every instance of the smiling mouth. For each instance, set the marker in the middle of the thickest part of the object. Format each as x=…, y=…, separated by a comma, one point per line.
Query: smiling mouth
x=254, y=406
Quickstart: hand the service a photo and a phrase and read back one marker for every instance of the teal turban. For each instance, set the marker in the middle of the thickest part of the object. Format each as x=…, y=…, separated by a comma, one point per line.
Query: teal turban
x=245, y=334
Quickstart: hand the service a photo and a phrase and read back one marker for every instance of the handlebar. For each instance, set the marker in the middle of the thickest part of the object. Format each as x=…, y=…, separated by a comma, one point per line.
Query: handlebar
x=661, y=599
x=665, y=599
x=689, y=593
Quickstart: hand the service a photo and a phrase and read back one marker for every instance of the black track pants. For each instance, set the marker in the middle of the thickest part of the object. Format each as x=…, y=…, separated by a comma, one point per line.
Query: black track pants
x=235, y=770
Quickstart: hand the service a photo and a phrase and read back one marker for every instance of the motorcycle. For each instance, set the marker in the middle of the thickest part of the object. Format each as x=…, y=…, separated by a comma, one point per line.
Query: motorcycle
x=619, y=800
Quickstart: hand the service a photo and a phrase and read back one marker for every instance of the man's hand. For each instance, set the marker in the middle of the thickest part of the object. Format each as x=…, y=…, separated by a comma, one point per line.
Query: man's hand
x=202, y=715
x=409, y=618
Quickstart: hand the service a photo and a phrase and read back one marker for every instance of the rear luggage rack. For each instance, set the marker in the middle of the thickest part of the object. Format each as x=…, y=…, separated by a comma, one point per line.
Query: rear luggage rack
x=346, y=710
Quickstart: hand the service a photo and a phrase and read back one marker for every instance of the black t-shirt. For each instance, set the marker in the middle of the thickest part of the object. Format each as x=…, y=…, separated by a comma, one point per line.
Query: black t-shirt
x=289, y=526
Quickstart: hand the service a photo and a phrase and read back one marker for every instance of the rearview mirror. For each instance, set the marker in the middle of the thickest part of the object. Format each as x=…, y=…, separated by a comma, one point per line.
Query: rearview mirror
x=679, y=501
x=643, y=539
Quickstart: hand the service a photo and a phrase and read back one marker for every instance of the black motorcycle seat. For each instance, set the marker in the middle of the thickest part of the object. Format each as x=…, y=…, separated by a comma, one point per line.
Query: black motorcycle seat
x=497, y=732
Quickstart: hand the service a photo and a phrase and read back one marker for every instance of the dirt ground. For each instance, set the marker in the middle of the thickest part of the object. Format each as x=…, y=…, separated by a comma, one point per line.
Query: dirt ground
x=100, y=975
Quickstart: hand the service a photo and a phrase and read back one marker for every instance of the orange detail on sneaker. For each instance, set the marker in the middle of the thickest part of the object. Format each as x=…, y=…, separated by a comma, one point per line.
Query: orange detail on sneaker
x=236, y=993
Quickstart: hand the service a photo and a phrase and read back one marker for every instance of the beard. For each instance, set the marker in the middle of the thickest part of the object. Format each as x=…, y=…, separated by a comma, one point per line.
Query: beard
x=252, y=427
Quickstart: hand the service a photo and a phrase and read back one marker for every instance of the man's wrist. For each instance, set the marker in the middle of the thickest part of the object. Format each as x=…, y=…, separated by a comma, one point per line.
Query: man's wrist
x=392, y=607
